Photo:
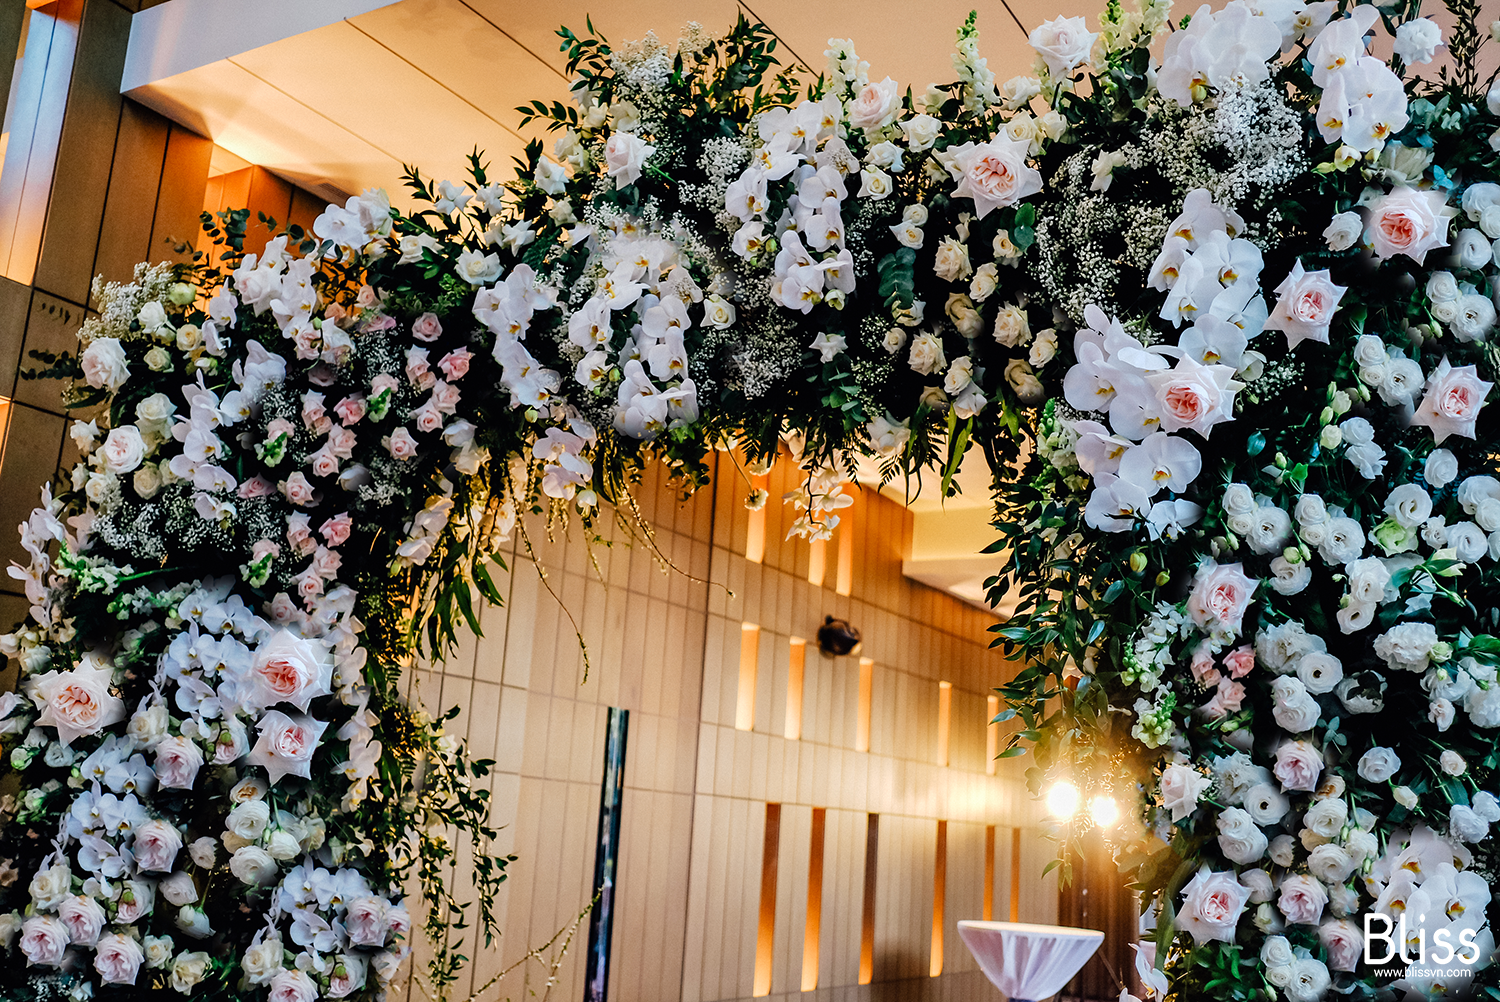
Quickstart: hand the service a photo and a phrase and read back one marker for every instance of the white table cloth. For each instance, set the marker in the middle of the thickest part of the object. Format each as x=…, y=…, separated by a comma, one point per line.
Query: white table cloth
x=1029, y=962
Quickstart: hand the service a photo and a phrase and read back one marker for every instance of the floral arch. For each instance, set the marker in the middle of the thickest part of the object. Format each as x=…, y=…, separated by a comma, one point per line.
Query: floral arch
x=1219, y=316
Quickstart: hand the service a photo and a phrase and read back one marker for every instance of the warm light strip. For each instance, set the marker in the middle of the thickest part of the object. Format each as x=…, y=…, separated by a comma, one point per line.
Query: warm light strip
x=796, y=665
x=744, y=711
x=813, y=930
x=817, y=562
x=939, y=899
x=991, y=735
x=755, y=529
x=844, y=578
x=988, y=911
x=1015, y=874
x=866, y=688
x=765, y=936
x=867, y=910
x=945, y=720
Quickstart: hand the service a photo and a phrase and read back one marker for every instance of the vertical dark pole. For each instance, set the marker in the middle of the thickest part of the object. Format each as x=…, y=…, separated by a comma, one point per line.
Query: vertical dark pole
x=606, y=857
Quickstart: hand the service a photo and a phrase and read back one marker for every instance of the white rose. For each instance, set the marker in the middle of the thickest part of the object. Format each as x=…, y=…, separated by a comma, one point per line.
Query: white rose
x=1452, y=762
x=952, y=261
x=1442, y=287
x=1043, y=348
x=1486, y=806
x=1440, y=712
x=147, y=481
x=626, y=155
x=1011, y=327
x=1417, y=40
x=262, y=961
x=104, y=364
x=1270, y=529
x=1239, y=838
x=1465, y=825
x=1258, y=882
x=921, y=132
x=1344, y=231
x=188, y=969
x=1239, y=499
x=1301, y=899
x=158, y=950
x=894, y=340
x=1409, y=505
x=1344, y=541
x=1211, y=906
x=927, y=354
x=1181, y=786
x=875, y=183
x=1468, y=541
x=1404, y=796
x=178, y=889
x=1063, y=43
x=477, y=268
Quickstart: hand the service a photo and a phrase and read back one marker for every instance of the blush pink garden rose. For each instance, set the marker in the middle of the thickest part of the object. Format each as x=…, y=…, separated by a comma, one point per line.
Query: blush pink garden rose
x=1307, y=303
x=367, y=922
x=298, y=490
x=1194, y=396
x=178, y=760
x=290, y=669
x=1342, y=939
x=1181, y=786
x=137, y=898
x=293, y=986
x=286, y=744
x=1452, y=400
x=400, y=444
x=1298, y=766
x=1211, y=906
x=347, y=976
x=1411, y=222
x=1221, y=594
x=256, y=487
x=994, y=174
x=78, y=702
x=156, y=846
x=44, y=940
x=876, y=105
x=123, y=450
x=84, y=918
x=1302, y=899
x=118, y=959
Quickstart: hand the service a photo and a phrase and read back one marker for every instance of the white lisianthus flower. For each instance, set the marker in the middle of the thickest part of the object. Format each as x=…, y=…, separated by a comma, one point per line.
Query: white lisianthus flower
x=1378, y=764
x=1344, y=231
x=1418, y=40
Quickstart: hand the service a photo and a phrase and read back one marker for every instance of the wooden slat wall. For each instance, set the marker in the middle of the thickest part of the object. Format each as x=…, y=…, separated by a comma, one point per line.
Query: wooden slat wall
x=667, y=647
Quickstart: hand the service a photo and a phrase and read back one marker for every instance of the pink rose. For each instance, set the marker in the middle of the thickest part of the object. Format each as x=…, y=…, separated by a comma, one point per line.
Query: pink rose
x=137, y=898
x=366, y=921
x=1307, y=303
x=299, y=534
x=78, y=702
x=876, y=105
x=341, y=442
x=278, y=427
x=1298, y=766
x=290, y=669
x=298, y=490
x=1228, y=699
x=263, y=547
x=156, y=846
x=1203, y=665
x=1451, y=403
x=178, y=760
x=256, y=487
x=445, y=397
x=179, y=889
x=417, y=369
x=1410, y=222
x=308, y=584
x=994, y=174
x=400, y=444
x=313, y=415
x=1211, y=906
x=347, y=976
x=625, y=155
x=351, y=409
x=326, y=563
x=232, y=742
x=84, y=918
x=281, y=609
x=1181, y=786
x=426, y=327
x=293, y=986
x=44, y=940
x=366, y=297
x=427, y=418
x=1341, y=938
x=455, y=364
x=323, y=462
x=381, y=383
x=1220, y=595
x=1302, y=899
x=286, y=744
x=1240, y=660
x=336, y=530
x=118, y=959
x=399, y=920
